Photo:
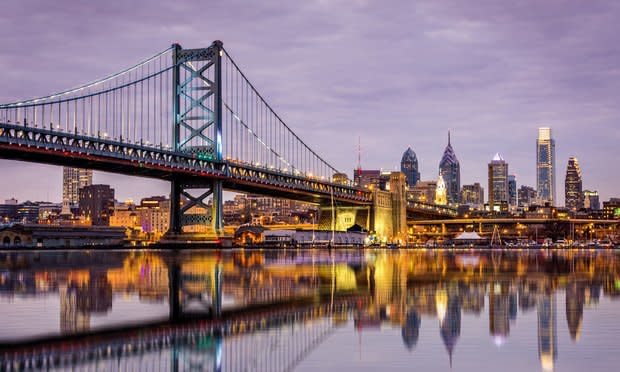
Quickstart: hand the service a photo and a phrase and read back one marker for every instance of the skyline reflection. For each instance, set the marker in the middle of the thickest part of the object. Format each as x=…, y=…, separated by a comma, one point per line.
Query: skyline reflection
x=373, y=291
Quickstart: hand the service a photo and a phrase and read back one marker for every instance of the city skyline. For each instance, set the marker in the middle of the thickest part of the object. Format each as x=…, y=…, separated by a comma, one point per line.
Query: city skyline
x=492, y=98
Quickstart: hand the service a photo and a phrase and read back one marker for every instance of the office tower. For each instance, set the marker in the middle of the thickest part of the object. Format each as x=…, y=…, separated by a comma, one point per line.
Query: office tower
x=472, y=195
x=498, y=182
x=591, y=200
x=526, y=196
x=409, y=166
x=73, y=179
x=441, y=192
x=97, y=204
x=573, y=197
x=512, y=190
x=451, y=171
x=545, y=166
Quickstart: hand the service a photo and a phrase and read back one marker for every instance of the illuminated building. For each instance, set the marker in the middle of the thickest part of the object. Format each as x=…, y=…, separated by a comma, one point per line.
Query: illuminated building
x=573, y=196
x=424, y=191
x=450, y=168
x=73, y=179
x=472, y=195
x=512, y=190
x=545, y=166
x=591, y=200
x=498, y=182
x=611, y=209
x=441, y=192
x=97, y=204
x=409, y=166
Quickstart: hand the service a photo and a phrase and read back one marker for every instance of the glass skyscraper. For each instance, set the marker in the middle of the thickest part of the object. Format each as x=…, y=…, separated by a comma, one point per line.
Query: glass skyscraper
x=545, y=166
x=573, y=195
x=498, y=182
x=512, y=190
x=450, y=169
x=409, y=166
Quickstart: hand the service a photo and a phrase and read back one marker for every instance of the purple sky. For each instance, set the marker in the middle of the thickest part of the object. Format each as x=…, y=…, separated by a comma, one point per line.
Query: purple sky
x=396, y=73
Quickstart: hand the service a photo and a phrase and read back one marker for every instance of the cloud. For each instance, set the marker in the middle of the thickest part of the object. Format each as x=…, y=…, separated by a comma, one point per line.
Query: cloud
x=396, y=73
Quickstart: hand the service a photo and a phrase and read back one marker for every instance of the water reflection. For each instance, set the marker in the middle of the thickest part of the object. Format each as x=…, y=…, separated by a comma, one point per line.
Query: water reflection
x=270, y=310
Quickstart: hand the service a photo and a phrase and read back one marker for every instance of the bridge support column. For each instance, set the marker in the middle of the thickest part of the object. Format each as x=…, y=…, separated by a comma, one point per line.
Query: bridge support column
x=193, y=218
x=389, y=211
x=197, y=130
x=343, y=217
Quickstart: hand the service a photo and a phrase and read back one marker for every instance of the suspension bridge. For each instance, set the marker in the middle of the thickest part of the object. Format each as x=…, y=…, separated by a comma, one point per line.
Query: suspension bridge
x=192, y=117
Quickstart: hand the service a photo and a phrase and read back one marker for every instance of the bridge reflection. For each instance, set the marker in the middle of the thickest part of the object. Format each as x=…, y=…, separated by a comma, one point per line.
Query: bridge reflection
x=267, y=310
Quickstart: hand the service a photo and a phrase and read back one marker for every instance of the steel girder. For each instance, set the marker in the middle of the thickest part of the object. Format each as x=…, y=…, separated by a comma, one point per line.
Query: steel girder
x=194, y=116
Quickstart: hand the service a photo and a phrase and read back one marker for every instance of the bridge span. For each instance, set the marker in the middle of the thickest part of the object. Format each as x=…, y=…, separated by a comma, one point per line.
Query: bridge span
x=193, y=118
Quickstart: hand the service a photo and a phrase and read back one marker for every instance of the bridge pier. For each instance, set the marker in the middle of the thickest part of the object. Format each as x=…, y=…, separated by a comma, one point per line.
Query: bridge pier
x=387, y=216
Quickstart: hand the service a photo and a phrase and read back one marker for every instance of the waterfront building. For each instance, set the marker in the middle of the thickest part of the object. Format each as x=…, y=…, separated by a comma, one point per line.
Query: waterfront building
x=97, y=204
x=512, y=190
x=526, y=196
x=154, y=215
x=591, y=200
x=73, y=179
x=573, y=196
x=472, y=195
x=498, y=183
x=545, y=166
x=424, y=191
x=450, y=169
x=441, y=192
x=611, y=209
x=409, y=166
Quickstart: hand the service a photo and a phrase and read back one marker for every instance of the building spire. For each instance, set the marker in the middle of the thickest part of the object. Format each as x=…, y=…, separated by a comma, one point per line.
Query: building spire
x=448, y=137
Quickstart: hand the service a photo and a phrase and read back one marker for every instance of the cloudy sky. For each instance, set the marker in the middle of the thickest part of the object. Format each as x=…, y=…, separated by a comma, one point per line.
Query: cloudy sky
x=393, y=73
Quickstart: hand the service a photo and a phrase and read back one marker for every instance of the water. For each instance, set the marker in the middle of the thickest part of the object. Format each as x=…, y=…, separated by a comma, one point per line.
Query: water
x=310, y=310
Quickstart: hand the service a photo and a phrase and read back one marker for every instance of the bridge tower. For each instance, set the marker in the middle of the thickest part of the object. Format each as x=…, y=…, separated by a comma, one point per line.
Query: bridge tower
x=197, y=130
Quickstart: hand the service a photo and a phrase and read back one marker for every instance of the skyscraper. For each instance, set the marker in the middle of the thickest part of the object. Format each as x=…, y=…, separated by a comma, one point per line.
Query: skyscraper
x=451, y=171
x=498, y=182
x=73, y=179
x=409, y=166
x=512, y=190
x=545, y=166
x=573, y=196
